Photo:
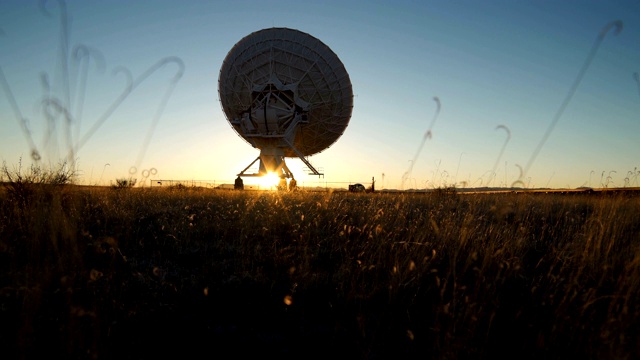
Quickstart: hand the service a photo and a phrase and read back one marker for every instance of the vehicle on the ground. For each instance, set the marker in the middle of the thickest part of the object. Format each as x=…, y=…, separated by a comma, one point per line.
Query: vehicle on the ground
x=357, y=188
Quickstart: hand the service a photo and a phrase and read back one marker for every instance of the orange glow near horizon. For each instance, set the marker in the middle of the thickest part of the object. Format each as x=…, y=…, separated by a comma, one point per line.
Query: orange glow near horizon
x=268, y=181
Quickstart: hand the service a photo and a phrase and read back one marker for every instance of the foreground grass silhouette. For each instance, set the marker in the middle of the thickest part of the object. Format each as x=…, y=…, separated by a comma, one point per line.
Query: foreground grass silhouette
x=144, y=273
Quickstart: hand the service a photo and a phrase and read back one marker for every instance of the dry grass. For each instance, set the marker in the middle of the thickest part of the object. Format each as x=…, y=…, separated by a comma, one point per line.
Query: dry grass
x=140, y=273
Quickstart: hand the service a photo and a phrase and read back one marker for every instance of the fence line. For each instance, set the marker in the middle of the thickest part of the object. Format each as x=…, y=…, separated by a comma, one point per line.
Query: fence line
x=228, y=184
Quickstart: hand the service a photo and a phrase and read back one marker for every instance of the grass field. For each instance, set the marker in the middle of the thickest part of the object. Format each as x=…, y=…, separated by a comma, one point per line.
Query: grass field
x=102, y=273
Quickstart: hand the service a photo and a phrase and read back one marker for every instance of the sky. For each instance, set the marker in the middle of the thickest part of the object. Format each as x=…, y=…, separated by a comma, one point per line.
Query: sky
x=514, y=93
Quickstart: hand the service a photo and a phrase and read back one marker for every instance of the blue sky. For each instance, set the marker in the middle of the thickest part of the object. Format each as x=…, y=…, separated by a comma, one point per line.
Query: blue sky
x=500, y=69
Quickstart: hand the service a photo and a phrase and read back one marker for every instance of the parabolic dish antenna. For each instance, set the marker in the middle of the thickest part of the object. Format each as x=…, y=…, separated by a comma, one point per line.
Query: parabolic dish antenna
x=287, y=94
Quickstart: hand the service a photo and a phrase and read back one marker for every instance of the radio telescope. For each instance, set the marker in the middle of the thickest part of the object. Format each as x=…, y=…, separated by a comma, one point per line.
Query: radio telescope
x=287, y=94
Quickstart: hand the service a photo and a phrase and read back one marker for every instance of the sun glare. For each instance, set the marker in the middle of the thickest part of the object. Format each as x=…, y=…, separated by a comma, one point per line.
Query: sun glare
x=269, y=181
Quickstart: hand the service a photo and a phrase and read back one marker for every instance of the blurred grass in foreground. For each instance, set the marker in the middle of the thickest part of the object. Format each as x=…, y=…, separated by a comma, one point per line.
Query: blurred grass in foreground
x=88, y=272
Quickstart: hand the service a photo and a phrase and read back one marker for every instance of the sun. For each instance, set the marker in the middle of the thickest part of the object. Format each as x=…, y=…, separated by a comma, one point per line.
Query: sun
x=268, y=181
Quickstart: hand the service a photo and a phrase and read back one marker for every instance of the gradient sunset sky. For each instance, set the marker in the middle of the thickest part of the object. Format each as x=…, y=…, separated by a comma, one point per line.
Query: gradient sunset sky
x=501, y=71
